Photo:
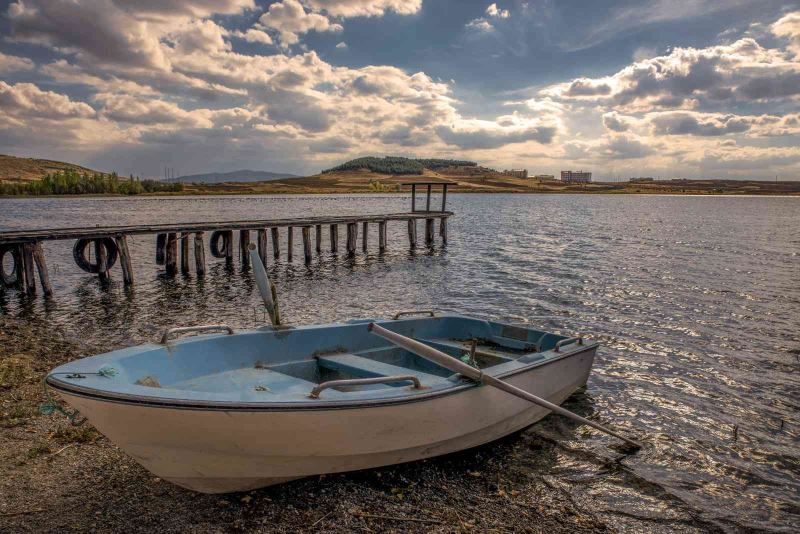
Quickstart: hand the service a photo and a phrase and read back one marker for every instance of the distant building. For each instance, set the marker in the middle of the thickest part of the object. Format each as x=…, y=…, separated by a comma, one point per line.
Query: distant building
x=576, y=177
x=544, y=177
x=518, y=173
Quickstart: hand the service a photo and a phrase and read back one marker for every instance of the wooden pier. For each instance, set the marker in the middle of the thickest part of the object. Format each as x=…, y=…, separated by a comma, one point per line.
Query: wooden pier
x=110, y=244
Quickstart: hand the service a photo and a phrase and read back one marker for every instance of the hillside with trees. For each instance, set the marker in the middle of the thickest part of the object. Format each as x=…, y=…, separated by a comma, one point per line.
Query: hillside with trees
x=71, y=182
x=397, y=165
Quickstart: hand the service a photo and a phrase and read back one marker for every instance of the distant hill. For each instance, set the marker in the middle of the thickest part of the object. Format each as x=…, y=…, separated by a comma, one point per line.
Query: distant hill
x=27, y=169
x=233, y=176
x=397, y=165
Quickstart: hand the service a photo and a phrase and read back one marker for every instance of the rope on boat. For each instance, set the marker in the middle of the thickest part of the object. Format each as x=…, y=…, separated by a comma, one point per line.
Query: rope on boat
x=51, y=406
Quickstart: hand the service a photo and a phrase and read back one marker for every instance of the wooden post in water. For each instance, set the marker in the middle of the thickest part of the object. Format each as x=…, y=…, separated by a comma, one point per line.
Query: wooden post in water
x=161, y=243
x=262, y=246
x=290, y=243
x=306, y=230
x=27, y=258
x=443, y=230
x=381, y=236
x=124, y=259
x=334, y=238
x=171, y=259
x=276, y=246
x=365, y=229
x=412, y=233
x=199, y=254
x=244, y=247
x=41, y=266
x=19, y=266
x=185, y=252
x=228, y=247
x=428, y=232
x=319, y=239
x=352, y=237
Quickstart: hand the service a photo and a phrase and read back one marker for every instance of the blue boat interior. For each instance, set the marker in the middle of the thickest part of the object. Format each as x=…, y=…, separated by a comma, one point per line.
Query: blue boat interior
x=275, y=365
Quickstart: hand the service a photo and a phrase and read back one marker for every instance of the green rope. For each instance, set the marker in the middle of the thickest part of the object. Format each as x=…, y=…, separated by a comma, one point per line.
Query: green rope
x=50, y=406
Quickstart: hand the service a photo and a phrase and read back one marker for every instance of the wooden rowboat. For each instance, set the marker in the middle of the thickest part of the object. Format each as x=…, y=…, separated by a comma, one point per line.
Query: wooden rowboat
x=235, y=411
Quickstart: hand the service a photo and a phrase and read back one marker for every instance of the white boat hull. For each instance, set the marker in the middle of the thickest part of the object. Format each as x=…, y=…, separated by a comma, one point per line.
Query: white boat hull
x=220, y=451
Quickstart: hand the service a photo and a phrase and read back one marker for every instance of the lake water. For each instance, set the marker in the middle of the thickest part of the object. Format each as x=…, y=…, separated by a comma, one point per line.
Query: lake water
x=696, y=302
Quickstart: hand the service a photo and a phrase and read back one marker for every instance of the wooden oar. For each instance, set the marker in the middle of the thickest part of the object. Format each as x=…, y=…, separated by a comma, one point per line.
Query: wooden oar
x=456, y=365
x=265, y=286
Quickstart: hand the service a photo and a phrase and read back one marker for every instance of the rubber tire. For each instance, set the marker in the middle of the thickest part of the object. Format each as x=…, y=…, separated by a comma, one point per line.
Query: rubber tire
x=79, y=254
x=217, y=250
x=11, y=279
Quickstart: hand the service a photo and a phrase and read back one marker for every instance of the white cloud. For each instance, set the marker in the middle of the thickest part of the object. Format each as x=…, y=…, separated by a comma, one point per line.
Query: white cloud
x=27, y=100
x=493, y=11
x=341, y=45
x=788, y=27
x=253, y=35
x=289, y=18
x=14, y=63
x=480, y=25
x=365, y=8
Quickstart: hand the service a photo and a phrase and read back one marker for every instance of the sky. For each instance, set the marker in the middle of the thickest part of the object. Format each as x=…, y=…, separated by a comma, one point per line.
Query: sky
x=662, y=88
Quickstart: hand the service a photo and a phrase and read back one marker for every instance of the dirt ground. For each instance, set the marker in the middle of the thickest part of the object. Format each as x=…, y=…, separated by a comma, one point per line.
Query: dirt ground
x=55, y=477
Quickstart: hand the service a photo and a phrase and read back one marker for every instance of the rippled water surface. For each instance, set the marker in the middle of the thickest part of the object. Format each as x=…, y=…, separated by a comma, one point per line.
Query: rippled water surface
x=696, y=301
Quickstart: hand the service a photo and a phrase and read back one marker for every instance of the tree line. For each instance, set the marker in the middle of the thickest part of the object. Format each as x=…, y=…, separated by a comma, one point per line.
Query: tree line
x=398, y=165
x=70, y=182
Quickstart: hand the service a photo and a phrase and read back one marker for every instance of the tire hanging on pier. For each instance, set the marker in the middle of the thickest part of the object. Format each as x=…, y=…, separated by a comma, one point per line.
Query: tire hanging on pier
x=12, y=278
x=219, y=250
x=79, y=254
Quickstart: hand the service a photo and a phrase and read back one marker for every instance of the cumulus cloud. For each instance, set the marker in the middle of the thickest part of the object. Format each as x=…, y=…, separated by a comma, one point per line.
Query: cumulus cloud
x=616, y=122
x=480, y=134
x=26, y=99
x=688, y=77
x=788, y=27
x=290, y=19
x=480, y=25
x=365, y=8
x=14, y=63
x=685, y=123
x=493, y=11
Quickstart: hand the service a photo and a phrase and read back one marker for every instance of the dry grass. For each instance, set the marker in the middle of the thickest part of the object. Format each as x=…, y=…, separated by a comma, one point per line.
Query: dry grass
x=13, y=168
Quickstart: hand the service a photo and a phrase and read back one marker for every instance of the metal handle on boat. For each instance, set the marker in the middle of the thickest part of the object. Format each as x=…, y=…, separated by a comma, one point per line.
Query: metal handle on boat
x=415, y=312
x=186, y=329
x=568, y=341
x=363, y=382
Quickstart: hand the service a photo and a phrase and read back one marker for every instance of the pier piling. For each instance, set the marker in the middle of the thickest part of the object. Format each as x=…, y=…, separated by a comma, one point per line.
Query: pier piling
x=412, y=233
x=27, y=261
x=170, y=259
x=334, y=238
x=244, y=247
x=41, y=267
x=381, y=236
x=428, y=232
x=124, y=259
x=185, y=252
x=263, y=245
x=289, y=243
x=199, y=254
x=276, y=246
x=318, y=236
x=306, y=230
x=365, y=231
x=352, y=237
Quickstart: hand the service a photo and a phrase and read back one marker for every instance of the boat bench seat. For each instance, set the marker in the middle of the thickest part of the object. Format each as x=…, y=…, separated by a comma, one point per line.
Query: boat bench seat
x=367, y=368
x=465, y=346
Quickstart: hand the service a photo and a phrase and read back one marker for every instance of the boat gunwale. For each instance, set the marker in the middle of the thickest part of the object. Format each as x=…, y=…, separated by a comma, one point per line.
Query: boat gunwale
x=321, y=404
